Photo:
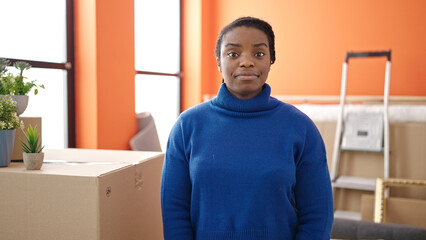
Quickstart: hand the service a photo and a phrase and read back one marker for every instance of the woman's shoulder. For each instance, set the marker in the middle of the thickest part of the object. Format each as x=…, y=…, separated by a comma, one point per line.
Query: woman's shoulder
x=293, y=114
x=291, y=110
x=195, y=111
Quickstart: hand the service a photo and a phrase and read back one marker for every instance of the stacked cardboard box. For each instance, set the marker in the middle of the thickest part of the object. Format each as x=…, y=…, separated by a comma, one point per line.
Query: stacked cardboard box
x=83, y=194
x=398, y=210
x=17, y=149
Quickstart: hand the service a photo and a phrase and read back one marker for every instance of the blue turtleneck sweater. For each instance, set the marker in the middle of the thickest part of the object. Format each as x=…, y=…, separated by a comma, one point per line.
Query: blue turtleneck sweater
x=252, y=169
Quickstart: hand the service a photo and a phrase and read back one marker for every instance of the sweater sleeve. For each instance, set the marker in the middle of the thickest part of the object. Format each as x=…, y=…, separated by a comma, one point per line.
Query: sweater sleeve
x=176, y=189
x=313, y=193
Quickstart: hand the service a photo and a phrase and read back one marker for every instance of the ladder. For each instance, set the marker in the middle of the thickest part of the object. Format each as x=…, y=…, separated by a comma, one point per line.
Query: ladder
x=382, y=121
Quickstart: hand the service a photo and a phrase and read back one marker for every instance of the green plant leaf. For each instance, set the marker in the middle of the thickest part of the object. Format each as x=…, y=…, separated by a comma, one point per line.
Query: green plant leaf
x=14, y=84
x=8, y=118
x=33, y=143
x=25, y=148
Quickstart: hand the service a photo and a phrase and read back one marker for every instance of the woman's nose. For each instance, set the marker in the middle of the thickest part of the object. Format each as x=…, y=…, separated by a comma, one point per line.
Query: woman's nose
x=246, y=61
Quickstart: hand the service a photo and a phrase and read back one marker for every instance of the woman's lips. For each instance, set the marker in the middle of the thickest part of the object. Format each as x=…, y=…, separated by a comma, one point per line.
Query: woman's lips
x=247, y=76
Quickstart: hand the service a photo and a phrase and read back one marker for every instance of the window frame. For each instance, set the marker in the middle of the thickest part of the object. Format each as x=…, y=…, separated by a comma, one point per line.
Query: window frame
x=68, y=66
x=178, y=74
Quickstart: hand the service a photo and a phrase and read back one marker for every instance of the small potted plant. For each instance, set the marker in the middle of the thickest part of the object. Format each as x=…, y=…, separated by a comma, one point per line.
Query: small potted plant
x=14, y=84
x=33, y=155
x=9, y=122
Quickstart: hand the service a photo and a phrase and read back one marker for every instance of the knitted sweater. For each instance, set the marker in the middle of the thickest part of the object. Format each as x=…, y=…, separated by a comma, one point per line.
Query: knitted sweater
x=252, y=169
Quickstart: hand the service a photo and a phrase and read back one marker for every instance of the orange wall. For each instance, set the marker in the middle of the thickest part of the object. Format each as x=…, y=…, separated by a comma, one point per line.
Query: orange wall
x=312, y=38
x=191, y=52
x=85, y=74
x=105, y=71
x=116, y=74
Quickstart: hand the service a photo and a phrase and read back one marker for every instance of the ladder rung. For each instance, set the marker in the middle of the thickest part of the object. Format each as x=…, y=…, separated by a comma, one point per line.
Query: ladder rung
x=347, y=215
x=381, y=150
x=359, y=183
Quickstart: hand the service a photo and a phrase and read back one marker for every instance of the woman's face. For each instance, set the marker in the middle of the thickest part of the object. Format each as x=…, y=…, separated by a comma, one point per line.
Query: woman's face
x=244, y=61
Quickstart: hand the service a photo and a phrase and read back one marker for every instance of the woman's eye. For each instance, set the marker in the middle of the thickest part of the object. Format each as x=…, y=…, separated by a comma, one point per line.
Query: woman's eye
x=232, y=54
x=259, y=54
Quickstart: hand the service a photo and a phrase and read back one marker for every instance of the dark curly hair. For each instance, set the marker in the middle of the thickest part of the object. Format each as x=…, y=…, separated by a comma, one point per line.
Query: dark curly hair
x=249, y=22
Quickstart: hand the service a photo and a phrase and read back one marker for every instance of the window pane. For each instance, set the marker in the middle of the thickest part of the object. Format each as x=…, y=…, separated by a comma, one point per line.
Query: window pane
x=50, y=105
x=157, y=36
x=158, y=95
x=33, y=30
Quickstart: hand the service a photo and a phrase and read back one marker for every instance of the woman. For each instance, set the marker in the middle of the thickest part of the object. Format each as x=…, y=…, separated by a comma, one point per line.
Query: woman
x=245, y=165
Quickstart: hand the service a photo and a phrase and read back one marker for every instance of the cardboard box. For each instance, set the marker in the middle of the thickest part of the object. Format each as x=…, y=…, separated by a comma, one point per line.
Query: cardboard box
x=83, y=194
x=17, y=149
x=398, y=210
x=407, y=155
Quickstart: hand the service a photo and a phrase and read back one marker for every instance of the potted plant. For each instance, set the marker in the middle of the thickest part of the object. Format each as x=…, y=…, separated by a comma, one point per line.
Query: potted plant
x=33, y=155
x=14, y=84
x=9, y=122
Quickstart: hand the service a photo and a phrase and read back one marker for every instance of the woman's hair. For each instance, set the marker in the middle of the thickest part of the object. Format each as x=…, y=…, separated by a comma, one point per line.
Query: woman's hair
x=249, y=22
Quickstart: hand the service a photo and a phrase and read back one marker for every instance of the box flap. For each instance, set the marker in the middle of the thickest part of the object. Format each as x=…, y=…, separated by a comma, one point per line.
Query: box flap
x=82, y=170
x=95, y=155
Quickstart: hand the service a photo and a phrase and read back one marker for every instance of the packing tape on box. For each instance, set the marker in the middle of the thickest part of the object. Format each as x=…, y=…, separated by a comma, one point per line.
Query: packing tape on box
x=138, y=178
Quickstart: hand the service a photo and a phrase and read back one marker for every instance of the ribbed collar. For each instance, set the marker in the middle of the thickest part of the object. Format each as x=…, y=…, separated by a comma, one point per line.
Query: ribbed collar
x=262, y=102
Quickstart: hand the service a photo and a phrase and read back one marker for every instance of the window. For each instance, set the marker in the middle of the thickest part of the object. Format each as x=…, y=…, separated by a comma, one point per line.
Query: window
x=157, y=62
x=42, y=36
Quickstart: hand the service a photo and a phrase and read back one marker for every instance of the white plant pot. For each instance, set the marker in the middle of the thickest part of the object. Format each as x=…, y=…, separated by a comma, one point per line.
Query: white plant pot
x=33, y=161
x=21, y=102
